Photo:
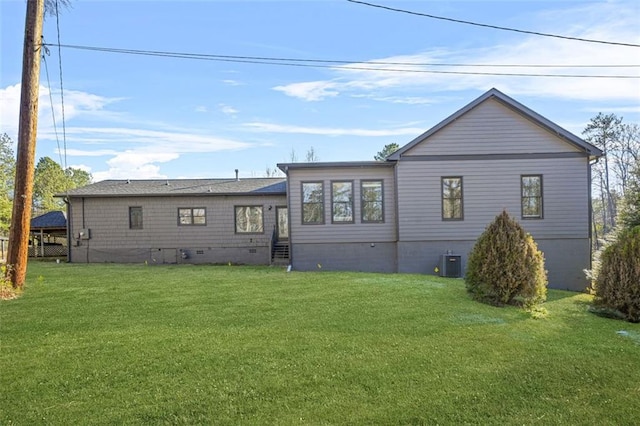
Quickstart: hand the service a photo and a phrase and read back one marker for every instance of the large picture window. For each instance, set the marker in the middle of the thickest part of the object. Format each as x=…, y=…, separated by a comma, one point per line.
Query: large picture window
x=135, y=217
x=452, y=206
x=531, y=186
x=192, y=216
x=342, y=202
x=372, y=201
x=312, y=203
x=249, y=220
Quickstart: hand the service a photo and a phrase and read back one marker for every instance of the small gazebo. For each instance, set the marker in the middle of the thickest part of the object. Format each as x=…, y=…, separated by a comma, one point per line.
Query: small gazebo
x=48, y=235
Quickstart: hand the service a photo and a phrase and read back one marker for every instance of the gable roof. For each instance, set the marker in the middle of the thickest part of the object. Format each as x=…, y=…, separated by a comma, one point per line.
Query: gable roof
x=582, y=145
x=181, y=187
x=55, y=219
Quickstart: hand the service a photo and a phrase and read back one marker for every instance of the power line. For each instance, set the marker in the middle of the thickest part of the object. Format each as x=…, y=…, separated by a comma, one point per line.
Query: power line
x=64, y=127
x=321, y=63
x=45, y=53
x=336, y=61
x=495, y=27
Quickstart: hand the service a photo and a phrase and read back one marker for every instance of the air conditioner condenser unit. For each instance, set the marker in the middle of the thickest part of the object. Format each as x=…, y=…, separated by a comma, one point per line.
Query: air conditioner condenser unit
x=450, y=265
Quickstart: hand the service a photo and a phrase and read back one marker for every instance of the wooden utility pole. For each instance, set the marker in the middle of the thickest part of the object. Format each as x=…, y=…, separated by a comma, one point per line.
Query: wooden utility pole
x=27, y=129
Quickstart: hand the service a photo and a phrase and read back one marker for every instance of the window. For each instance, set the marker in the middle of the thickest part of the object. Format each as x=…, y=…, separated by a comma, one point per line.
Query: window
x=249, y=220
x=192, y=216
x=135, y=217
x=312, y=203
x=342, y=202
x=531, y=196
x=371, y=201
x=452, y=198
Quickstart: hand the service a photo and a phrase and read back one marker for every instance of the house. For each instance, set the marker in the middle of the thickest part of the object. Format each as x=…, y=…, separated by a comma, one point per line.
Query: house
x=177, y=220
x=431, y=198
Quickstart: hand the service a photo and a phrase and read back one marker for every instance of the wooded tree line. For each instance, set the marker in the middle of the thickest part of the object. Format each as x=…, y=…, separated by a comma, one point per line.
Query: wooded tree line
x=50, y=179
x=616, y=176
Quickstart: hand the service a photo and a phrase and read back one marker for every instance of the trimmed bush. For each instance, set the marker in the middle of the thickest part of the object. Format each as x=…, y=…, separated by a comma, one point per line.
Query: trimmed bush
x=617, y=285
x=505, y=266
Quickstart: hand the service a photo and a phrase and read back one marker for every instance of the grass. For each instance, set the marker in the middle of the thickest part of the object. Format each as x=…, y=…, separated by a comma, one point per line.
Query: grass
x=131, y=344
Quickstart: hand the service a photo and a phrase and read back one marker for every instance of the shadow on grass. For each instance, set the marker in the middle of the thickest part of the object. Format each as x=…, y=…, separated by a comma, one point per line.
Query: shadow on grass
x=555, y=295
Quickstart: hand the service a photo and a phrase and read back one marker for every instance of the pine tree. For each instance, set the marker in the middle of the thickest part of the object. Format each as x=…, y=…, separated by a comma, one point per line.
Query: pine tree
x=505, y=266
x=630, y=211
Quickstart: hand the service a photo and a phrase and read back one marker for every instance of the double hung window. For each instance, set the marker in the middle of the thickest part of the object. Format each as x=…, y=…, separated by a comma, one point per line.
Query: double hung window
x=312, y=203
x=135, y=217
x=531, y=189
x=372, y=204
x=342, y=202
x=452, y=206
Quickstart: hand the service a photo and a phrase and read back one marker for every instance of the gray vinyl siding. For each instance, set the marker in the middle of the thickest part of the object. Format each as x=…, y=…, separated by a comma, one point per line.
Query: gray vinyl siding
x=112, y=240
x=341, y=232
x=488, y=188
x=491, y=128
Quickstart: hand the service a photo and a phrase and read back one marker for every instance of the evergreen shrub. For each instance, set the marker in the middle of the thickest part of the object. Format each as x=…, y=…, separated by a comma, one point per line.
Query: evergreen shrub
x=505, y=266
x=617, y=285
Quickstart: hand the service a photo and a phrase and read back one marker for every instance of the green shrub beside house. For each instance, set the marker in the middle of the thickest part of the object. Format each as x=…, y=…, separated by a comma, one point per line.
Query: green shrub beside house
x=618, y=281
x=505, y=266
x=617, y=271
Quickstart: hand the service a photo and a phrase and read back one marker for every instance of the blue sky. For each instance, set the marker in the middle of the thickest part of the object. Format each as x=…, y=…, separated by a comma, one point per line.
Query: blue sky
x=151, y=117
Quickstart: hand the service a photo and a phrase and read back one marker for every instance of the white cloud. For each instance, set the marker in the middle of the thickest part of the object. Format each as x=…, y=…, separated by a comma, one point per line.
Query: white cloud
x=10, y=109
x=88, y=153
x=614, y=21
x=135, y=149
x=135, y=165
x=76, y=104
x=310, y=91
x=615, y=110
x=329, y=131
x=228, y=110
x=201, y=108
x=155, y=140
x=144, y=149
x=408, y=100
x=233, y=82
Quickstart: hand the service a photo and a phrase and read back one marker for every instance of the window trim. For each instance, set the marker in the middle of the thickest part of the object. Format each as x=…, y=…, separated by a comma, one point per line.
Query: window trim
x=540, y=196
x=192, y=216
x=302, y=202
x=352, y=202
x=363, y=201
x=131, y=225
x=442, y=199
x=235, y=218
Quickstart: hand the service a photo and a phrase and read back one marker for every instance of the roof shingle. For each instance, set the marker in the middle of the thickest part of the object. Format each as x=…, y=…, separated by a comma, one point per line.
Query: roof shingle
x=54, y=219
x=175, y=187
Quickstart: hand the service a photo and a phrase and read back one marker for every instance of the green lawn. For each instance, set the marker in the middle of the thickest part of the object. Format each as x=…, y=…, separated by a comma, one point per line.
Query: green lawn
x=134, y=344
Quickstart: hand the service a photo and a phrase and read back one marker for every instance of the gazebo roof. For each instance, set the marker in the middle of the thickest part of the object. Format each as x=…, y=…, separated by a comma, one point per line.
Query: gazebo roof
x=55, y=220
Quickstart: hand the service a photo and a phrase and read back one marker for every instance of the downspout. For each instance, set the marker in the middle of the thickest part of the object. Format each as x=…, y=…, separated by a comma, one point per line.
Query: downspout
x=67, y=201
x=286, y=172
x=397, y=212
x=84, y=225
